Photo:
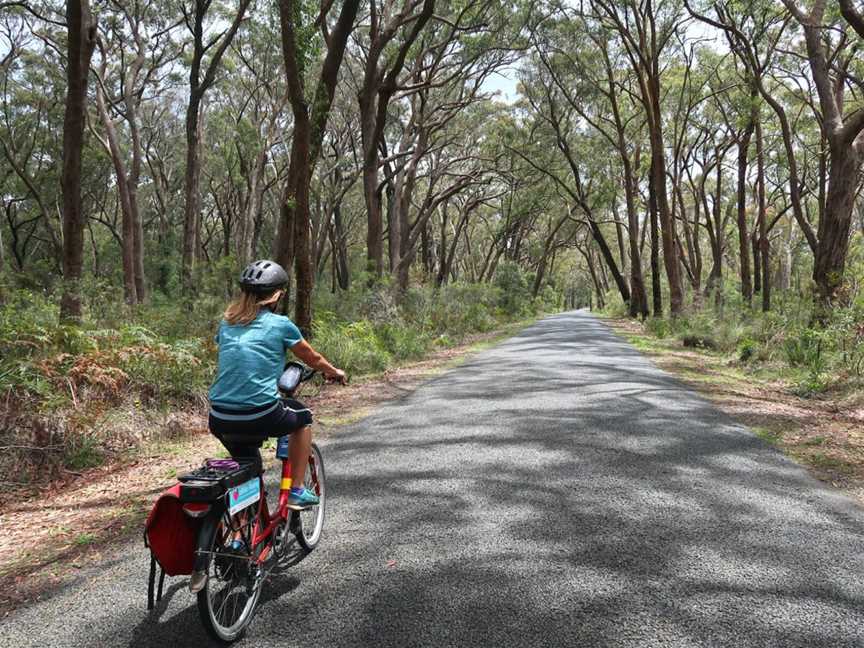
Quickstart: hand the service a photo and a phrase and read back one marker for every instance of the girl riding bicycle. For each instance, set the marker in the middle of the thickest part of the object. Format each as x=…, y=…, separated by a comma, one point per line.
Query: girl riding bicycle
x=244, y=408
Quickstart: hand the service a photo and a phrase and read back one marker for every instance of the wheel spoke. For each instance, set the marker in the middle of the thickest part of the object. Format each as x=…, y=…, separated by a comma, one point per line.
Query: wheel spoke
x=218, y=613
x=232, y=588
x=234, y=596
x=311, y=520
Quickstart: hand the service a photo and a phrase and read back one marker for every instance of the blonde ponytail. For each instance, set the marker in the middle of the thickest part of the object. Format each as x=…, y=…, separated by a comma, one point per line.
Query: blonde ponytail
x=244, y=309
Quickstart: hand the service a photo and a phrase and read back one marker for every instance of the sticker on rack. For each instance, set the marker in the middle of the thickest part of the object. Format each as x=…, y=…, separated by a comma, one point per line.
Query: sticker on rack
x=243, y=495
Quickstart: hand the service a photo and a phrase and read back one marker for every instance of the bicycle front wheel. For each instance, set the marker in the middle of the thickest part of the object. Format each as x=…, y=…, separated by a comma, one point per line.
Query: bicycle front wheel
x=308, y=524
x=234, y=580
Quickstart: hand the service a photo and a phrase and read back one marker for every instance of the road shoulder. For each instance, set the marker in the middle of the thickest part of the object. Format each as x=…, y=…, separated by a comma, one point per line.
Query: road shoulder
x=825, y=434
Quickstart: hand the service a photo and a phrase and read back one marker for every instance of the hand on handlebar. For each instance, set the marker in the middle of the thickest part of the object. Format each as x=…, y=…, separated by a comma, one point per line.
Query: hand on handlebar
x=337, y=376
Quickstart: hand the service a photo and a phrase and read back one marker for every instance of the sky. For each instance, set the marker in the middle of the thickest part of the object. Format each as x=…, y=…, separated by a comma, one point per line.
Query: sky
x=503, y=82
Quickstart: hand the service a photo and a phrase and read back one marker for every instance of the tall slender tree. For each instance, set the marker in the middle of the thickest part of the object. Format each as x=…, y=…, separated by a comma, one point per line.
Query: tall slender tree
x=81, y=41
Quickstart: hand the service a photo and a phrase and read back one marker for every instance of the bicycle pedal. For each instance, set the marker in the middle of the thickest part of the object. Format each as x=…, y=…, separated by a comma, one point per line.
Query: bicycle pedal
x=197, y=581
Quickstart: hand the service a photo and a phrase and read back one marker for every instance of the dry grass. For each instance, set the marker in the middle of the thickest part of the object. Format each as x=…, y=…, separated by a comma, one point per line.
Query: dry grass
x=826, y=434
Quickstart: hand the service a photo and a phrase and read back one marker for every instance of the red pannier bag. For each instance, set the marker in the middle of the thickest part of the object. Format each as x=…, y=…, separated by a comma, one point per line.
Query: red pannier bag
x=171, y=535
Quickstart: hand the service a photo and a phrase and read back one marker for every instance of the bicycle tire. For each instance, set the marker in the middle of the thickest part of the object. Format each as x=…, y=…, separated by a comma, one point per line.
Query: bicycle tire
x=234, y=567
x=308, y=525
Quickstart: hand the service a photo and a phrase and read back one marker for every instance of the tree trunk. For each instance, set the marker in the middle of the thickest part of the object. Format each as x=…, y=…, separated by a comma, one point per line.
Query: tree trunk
x=283, y=250
x=763, y=216
x=441, y=277
x=656, y=288
x=426, y=253
x=127, y=246
x=294, y=235
x=394, y=228
x=132, y=187
x=757, y=263
x=191, y=215
x=667, y=223
x=829, y=264
x=341, y=259
x=743, y=251
x=371, y=193
x=374, y=224
x=79, y=48
x=296, y=213
x=619, y=235
x=638, y=297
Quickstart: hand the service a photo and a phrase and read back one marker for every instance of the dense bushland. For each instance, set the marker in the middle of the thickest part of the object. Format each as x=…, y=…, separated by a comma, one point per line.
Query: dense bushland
x=72, y=396
x=797, y=341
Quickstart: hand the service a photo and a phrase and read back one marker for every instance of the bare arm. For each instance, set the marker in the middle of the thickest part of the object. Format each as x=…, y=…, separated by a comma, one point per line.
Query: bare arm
x=304, y=351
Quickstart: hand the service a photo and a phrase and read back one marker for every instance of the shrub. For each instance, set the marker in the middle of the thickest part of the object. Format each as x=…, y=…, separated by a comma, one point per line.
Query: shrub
x=747, y=348
x=515, y=292
x=460, y=309
x=354, y=347
x=804, y=349
x=658, y=327
x=404, y=342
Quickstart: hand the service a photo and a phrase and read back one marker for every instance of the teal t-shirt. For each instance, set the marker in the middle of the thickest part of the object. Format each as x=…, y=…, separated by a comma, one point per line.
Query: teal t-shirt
x=251, y=359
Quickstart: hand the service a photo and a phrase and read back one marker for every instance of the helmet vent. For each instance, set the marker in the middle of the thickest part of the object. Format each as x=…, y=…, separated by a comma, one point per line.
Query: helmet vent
x=263, y=276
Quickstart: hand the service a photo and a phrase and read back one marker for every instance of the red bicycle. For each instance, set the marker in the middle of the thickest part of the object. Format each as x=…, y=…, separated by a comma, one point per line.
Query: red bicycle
x=239, y=542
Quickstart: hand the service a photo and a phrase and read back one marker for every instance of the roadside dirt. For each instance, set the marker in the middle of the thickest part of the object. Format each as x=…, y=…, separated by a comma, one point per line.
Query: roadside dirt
x=70, y=524
x=824, y=433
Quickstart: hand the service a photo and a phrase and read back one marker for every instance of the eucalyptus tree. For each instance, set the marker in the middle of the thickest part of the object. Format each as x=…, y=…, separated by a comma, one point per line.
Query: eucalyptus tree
x=31, y=114
x=708, y=124
x=557, y=124
x=393, y=28
x=576, y=52
x=455, y=178
x=299, y=38
x=646, y=32
x=831, y=53
x=446, y=102
x=209, y=44
x=81, y=41
x=258, y=125
x=525, y=195
x=754, y=33
x=136, y=44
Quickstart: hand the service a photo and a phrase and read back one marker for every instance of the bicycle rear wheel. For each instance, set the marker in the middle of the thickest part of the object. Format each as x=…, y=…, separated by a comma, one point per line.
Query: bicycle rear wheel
x=309, y=524
x=227, y=602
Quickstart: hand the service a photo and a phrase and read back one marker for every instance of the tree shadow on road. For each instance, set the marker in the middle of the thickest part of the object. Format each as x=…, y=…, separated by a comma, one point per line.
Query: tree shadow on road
x=587, y=504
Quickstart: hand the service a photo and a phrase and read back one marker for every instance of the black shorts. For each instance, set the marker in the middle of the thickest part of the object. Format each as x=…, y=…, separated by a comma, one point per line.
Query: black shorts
x=242, y=433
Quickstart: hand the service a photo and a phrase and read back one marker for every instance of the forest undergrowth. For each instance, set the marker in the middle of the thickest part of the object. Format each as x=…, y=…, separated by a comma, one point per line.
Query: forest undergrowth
x=72, y=398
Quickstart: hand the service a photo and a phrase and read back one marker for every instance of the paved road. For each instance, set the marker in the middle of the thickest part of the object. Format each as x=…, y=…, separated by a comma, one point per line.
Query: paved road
x=557, y=490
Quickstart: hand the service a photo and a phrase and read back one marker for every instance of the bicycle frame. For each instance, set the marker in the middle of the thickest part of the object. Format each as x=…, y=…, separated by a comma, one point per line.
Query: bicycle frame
x=270, y=522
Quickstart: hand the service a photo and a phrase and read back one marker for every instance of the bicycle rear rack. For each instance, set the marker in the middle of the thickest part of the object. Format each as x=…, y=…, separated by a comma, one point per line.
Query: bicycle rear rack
x=151, y=582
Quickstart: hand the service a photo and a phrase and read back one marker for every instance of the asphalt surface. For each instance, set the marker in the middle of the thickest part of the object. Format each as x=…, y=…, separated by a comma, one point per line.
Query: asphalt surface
x=556, y=490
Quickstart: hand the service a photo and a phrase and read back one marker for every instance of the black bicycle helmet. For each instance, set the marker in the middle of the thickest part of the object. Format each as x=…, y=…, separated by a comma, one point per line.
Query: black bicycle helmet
x=263, y=277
